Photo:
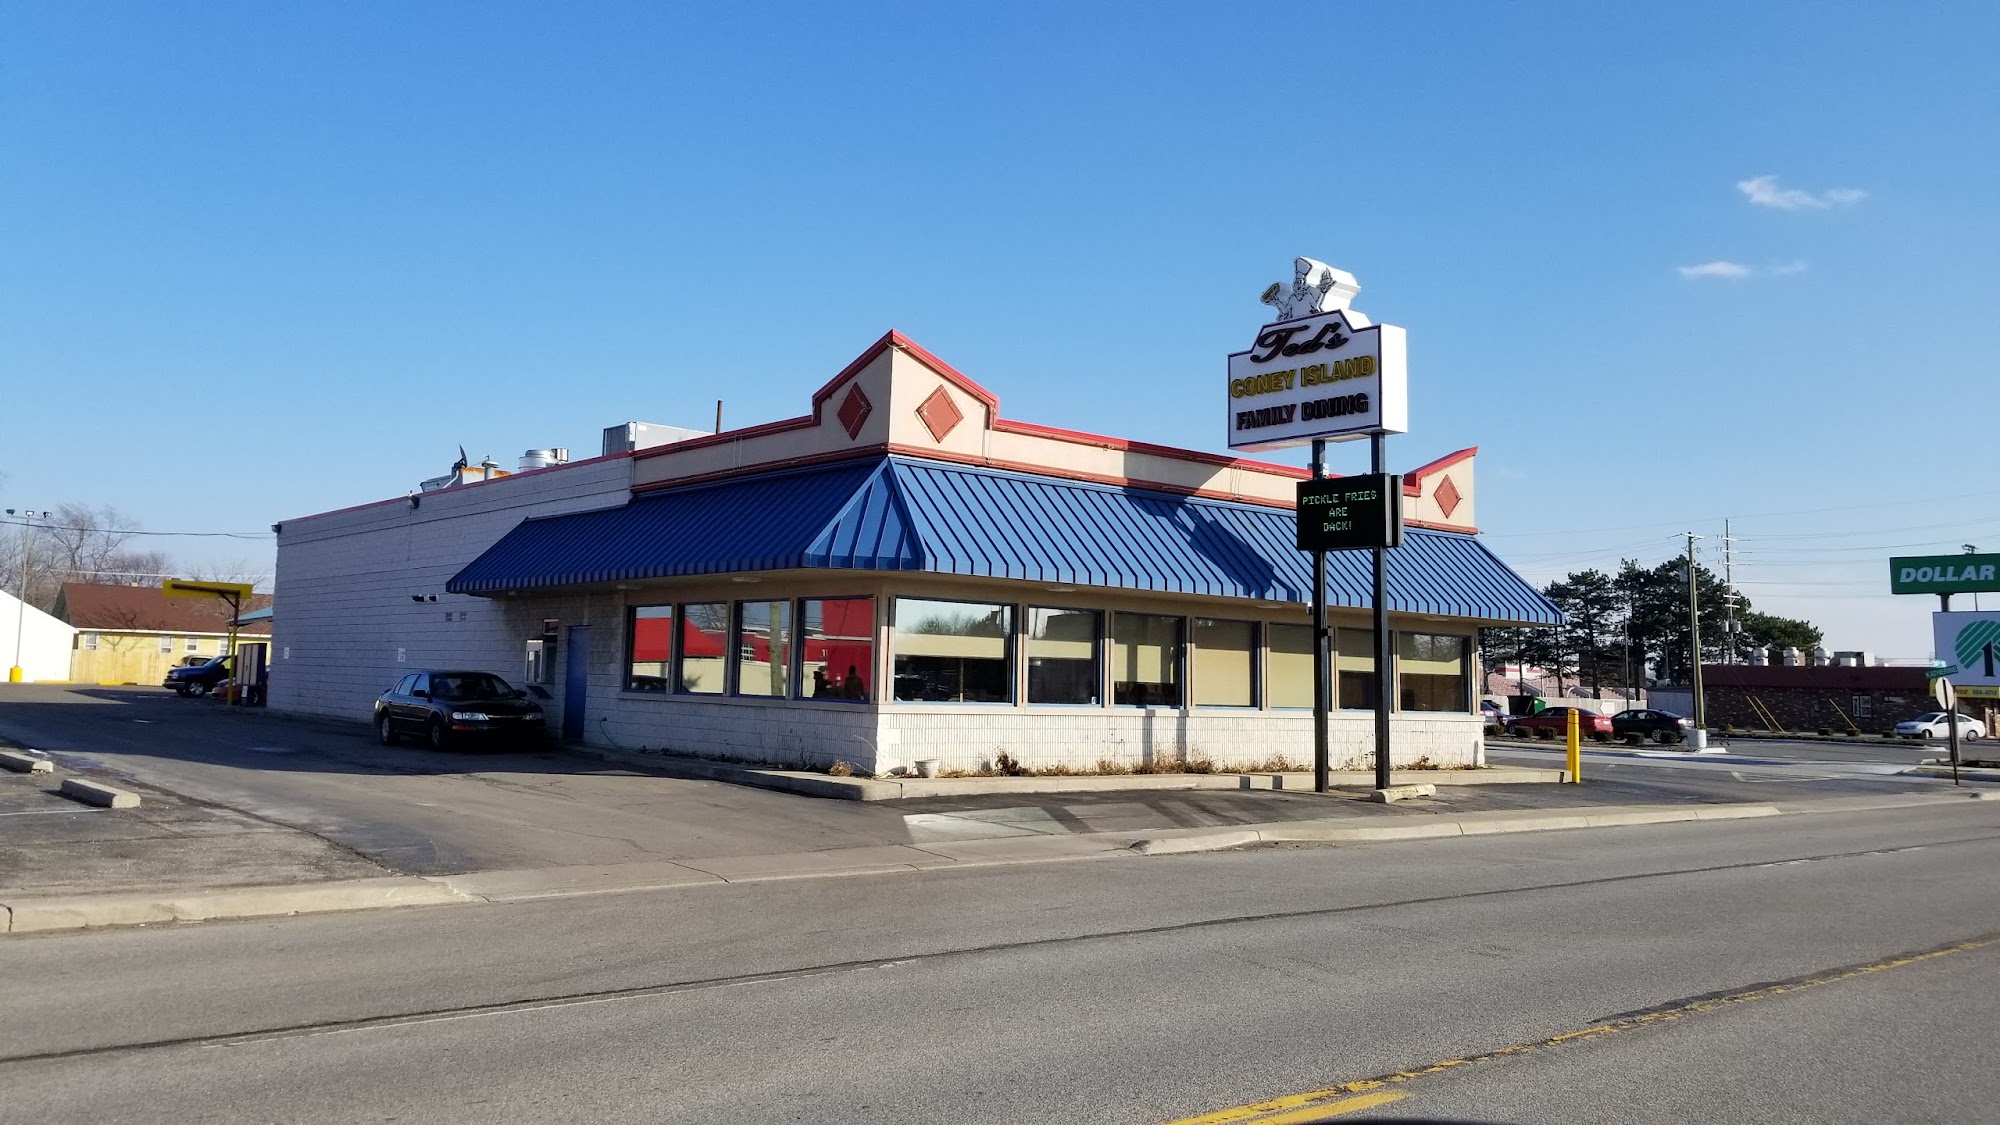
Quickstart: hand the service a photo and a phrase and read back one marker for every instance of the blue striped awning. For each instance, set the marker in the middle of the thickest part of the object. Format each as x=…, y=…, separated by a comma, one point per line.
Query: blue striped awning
x=895, y=513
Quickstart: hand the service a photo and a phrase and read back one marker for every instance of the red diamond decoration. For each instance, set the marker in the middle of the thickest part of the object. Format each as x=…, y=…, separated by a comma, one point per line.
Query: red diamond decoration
x=854, y=410
x=940, y=415
x=1447, y=497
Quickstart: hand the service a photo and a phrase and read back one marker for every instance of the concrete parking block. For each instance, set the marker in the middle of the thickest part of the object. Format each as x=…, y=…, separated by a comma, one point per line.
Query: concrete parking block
x=25, y=763
x=99, y=794
x=1401, y=793
x=76, y=912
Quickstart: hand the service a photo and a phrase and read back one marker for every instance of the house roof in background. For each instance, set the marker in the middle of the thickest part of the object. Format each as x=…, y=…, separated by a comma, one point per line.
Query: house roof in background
x=147, y=609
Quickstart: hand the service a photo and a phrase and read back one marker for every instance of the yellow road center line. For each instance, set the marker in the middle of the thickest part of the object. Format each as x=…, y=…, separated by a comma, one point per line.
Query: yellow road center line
x=1313, y=1105
x=1324, y=1110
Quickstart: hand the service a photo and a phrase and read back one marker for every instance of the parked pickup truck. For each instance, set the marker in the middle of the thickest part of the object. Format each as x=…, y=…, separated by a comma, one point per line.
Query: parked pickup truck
x=200, y=679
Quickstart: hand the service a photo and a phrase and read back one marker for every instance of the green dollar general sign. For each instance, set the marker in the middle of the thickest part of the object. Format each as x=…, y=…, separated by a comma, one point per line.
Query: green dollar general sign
x=1944, y=574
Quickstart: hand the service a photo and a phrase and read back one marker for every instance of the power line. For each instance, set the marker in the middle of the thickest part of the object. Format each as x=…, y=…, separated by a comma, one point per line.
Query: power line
x=38, y=525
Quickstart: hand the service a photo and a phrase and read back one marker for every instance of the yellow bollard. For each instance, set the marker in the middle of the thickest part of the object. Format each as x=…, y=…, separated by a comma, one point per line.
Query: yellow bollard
x=1575, y=749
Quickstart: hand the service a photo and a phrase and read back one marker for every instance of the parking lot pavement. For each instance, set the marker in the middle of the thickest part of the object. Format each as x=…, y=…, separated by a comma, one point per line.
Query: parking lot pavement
x=51, y=845
x=414, y=810
x=248, y=797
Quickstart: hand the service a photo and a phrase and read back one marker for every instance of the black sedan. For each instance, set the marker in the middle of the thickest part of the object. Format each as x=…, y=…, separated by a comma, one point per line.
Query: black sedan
x=446, y=707
x=1639, y=725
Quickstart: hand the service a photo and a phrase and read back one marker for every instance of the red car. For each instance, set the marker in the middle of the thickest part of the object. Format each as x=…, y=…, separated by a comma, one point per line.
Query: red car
x=1553, y=722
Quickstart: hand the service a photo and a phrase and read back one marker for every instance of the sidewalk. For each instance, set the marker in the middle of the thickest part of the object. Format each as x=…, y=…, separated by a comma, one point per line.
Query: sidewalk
x=70, y=912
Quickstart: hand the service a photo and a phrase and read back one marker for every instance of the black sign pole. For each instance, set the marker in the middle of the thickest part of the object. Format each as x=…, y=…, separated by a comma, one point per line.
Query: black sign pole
x=1322, y=647
x=1384, y=679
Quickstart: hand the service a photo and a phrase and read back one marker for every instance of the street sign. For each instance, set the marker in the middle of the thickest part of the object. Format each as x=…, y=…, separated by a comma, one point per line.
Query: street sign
x=180, y=588
x=1969, y=645
x=1944, y=574
x=1351, y=513
x=1941, y=691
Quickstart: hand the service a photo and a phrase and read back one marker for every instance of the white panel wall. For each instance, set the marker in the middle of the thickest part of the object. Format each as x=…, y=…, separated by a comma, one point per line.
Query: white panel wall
x=345, y=626
x=44, y=642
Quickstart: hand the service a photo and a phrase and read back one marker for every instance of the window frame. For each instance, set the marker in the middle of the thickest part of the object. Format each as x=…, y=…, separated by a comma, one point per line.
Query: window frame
x=727, y=658
x=631, y=641
x=734, y=649
x=798, y=660
x=1010, y=638
x=1466, y=647
x=89, y=639
x=1100, y=639
x=1339, y=697
x=1254, y=653
x=1180, y=660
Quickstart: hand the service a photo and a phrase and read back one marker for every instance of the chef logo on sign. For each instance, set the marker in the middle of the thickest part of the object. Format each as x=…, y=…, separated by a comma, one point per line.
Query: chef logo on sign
x=1316, y=288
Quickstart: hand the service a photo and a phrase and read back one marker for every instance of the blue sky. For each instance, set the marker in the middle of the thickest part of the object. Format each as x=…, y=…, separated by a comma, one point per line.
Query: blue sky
x=258, y=261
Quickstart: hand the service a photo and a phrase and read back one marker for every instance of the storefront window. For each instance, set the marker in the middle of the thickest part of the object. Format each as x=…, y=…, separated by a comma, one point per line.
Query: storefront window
x=763, y=656
x=704, y=632
x=1225, y=658
x=650, y=640
x=837, y=647
x=953, y=652
x=1431, y=672
x=1289, y=669
x=1145, y=660
x=1355, y=654
x=1062, y=656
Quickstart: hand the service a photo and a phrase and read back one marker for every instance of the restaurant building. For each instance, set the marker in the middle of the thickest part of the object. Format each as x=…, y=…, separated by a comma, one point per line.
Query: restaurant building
x=901, y=574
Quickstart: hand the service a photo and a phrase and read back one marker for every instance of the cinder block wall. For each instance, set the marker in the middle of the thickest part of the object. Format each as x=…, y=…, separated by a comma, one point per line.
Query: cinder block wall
x=345, y=626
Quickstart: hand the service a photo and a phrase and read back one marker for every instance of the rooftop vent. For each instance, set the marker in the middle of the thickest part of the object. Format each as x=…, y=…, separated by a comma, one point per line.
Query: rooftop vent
x=629, y=436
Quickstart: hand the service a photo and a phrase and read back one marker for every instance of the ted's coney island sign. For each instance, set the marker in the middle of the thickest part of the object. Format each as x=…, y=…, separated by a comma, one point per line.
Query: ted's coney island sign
x=1321, y=370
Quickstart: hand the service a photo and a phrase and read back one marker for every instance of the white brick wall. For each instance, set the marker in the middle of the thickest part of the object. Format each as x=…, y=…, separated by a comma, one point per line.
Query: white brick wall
x=345, y=581
x=964, y=738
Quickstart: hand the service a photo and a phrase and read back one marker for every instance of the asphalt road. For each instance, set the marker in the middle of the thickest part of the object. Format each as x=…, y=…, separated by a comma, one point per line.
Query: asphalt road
x=1119, y=991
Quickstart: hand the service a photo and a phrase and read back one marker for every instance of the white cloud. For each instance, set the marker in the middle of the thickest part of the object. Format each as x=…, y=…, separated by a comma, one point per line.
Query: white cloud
x=1763, y=191
x=1733, y=271
x=1788, y=268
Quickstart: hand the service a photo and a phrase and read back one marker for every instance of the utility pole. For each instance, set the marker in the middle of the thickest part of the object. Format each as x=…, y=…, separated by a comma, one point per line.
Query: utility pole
x=1699, y=736
x=15, y=674
x=1728, y=596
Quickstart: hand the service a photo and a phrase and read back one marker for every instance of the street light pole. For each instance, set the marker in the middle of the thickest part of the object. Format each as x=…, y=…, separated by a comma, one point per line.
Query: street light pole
x=14, y=674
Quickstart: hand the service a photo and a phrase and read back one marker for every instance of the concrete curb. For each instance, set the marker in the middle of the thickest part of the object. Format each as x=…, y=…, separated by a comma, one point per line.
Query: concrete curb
x=97, y=793
x=1968, y=773
x=892, y=789
x=1474, y=824
x=75, y=912
x=78, y=912
x=25, y=763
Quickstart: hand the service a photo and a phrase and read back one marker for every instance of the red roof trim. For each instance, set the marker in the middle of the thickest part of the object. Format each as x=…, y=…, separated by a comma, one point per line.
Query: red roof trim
x=1125, y=445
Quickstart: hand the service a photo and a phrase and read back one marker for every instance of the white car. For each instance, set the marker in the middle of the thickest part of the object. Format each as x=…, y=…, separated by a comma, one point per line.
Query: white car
x=1933, y=725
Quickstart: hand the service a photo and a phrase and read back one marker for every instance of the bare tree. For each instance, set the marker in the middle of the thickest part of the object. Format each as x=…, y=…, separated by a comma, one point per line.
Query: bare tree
x=232, y=570
x=75, y=543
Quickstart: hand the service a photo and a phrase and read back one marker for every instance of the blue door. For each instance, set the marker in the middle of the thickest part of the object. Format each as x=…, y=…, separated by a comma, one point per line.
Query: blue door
x=576, y=680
